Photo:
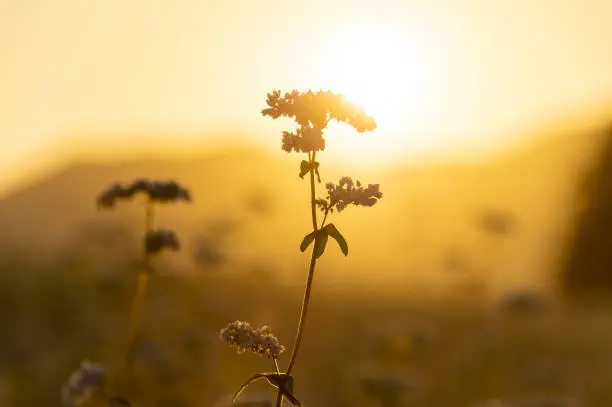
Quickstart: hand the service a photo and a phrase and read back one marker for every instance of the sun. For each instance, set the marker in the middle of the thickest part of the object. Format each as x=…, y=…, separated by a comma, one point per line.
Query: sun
x=389, y=73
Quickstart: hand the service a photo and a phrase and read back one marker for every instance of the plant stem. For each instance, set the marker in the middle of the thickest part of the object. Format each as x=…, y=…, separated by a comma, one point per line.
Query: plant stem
x=306, y=300
x=313, y=205
x=138, y=303
x=324, y=219
x=313, y=261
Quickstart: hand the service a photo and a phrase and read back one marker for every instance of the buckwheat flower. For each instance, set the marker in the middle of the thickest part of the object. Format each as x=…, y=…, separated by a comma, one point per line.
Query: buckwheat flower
x=313, y=111
x=158, y=240
x=289, y=142
x=112, y=194
x=347, y=192
x=168, y=191
x=305, y=140
x=261, y=341
x=322, y=204
x=160, y=191
x=238, y=334
x=82, y=383
x=310, y=139
x=140, y=185
x=266, y=343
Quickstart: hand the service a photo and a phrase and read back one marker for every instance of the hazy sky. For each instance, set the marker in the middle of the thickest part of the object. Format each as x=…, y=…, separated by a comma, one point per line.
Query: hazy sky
x=94, y=71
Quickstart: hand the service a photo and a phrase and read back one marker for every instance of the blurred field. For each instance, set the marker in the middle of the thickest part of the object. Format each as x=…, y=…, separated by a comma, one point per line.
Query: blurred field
x=457, y=290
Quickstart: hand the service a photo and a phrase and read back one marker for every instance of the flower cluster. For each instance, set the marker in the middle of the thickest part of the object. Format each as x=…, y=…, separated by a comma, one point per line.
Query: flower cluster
x=82, y=383
x=157, y=191
x=304, y=140
x=347, y=192
x=313, y=111
x=317, y=108
x=261, y=341
x=160, y=239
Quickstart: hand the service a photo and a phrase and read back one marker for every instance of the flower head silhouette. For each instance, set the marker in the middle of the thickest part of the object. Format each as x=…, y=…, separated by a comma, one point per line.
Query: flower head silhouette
x=312, y=111
x=347, y=192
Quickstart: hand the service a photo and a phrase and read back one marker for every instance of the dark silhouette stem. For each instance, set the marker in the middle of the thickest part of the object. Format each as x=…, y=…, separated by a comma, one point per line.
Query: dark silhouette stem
x=306, y=300
x=324, y=219
x=138, y=303
x=313, y=261
x=313, y=204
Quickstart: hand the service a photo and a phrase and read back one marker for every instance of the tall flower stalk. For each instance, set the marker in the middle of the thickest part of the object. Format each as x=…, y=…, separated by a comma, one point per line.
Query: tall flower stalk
x=139, y=298
x=313, y=111
x=155, y=241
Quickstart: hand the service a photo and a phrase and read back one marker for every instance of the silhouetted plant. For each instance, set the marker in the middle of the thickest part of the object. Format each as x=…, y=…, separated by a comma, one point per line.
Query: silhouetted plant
x=312, y=111
x=90, y=377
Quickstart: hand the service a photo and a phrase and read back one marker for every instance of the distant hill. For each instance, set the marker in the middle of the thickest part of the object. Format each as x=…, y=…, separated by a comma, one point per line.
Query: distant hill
x=437, y=226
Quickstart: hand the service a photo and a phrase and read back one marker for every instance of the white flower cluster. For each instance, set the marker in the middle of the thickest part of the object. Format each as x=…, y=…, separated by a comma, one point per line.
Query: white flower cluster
x=82, y=383
x=261, y=341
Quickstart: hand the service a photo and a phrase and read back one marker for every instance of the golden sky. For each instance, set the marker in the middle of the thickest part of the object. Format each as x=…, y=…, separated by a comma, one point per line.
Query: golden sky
x=439, y=74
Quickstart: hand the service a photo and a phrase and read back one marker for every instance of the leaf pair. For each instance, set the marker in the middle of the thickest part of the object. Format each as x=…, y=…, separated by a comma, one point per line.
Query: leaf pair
x=320, y=238
x=280, y=381
x=306, y=166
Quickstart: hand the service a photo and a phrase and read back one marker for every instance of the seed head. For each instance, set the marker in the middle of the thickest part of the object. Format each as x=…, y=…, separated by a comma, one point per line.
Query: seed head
x=261, y=341
x=82, y=383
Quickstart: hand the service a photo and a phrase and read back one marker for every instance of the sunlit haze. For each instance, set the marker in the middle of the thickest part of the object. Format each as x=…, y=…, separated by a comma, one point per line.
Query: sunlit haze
x=442, y=77
x=168, y=167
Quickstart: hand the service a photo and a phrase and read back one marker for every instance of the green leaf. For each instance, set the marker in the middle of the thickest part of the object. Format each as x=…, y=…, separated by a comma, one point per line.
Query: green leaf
x=307, y=241
x=335, y=233
x=320, y=242
x=248, y=382
x=284, y=383
x=304, y=168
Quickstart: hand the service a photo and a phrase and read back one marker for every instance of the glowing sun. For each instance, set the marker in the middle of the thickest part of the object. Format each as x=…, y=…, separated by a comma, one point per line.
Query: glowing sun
x=389, y=73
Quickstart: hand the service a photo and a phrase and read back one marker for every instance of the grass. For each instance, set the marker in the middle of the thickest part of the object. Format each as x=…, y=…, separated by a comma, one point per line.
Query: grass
x=470, y=353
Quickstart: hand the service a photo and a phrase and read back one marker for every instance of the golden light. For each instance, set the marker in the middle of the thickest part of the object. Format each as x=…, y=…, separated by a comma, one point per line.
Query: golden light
x=392, y=74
